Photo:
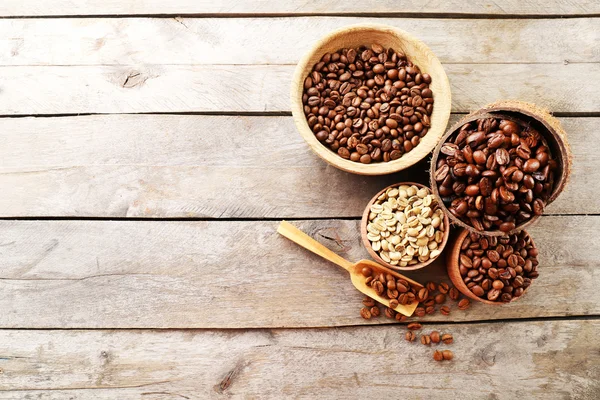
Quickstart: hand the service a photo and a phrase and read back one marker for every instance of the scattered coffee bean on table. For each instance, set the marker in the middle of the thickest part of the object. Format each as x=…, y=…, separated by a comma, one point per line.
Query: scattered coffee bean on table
x=406, y=226
x=435, y=337
x=447, y=338
x=447, y=355
x=498, y=269
x=410, y=336
x=495, y=174
x=368, y=104
x=438, y=356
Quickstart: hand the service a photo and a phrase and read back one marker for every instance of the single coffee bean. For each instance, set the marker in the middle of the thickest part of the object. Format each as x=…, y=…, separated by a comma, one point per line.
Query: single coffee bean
x=365, y=313
x=426, y=340
x=464, y=304
x=447, y=355
x=389, y=312
x=368, y=302
x=429, y=309
x=420, y=312
x=393, y=303
x=447, y=338
x=366, y=271
x=435, y=337
x=445, y=310
x=431, y=286
x=410, y=336
x=440, y=298
x=438, y=356
x=375, y=311
x=414, y=326
x=453, y=293
x=443, y=288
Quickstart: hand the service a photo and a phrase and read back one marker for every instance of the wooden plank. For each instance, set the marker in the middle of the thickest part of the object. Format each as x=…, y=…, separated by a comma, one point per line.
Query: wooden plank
x=265, y=88
x=274, y=7
x=175, y=166
x=144, y=274
x=125, y=41
x=533, y=360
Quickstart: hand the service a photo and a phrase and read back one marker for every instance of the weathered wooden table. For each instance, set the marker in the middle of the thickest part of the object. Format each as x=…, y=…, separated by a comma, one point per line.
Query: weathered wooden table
x=147, y=154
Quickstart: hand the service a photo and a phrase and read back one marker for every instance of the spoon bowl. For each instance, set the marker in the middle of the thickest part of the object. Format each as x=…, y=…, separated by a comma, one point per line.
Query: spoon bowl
x=358, y=279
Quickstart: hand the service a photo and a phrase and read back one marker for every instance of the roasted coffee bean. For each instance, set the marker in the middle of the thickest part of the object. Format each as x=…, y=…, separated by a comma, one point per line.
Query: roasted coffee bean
x=454, y=293
x=410, y=336
x=368, y=302
x=447, y=338
x=375, y=312
x=440, y=298
x=426, y=340
x=435, y=337
x=464, y=304
x=414, y=326
x=438, y=356
x=443, y=288
x=420, y=312
x=422, y=295
x=389, y=312
x=508, y=265
x=393, y=303
x=429, y=309
x=492, y=179
x=447, y=355
x=431, y=286
x=358, y=101
x=365, y=313
x=445, y=310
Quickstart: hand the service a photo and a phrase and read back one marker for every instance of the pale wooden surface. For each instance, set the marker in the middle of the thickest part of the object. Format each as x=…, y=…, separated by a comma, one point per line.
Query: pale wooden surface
x=153, y=274
x=273, y=7
x=155, y=166
x=228, y=291
x=543, y=359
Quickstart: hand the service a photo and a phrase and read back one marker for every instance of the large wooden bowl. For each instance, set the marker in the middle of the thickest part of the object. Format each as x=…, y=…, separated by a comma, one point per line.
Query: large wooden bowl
x=373, y=253
x=452, y=265
x=387, y=36
x=547, y=125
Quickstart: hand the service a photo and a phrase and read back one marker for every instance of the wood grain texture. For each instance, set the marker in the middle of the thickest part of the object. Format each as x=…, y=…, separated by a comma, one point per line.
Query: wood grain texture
x=274, y=7
x=266, y=88
x=534, y=360
x=145, y=274
x=158, y=166
x=185, y=41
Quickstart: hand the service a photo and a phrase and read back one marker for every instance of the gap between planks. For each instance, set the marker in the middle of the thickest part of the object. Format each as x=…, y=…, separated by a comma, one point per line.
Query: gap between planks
x=594, y=317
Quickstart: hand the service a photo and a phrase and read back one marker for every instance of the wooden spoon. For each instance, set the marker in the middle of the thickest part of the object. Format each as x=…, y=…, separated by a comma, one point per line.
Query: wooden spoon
x=358, y=279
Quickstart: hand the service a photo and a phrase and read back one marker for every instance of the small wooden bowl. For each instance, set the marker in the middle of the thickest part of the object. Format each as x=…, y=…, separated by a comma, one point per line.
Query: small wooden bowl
x=452, y=265
x=387, y=36
x=367, y=242
x=547, y=125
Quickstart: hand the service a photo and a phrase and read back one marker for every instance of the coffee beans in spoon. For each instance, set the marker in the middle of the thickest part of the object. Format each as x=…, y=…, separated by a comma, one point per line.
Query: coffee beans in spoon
x=494, y=174
x=368, y=104
x=498, y=269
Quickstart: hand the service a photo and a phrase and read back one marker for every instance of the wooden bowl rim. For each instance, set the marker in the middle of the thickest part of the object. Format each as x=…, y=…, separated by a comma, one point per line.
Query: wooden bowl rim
x=496, y=111
x=380, y=168
x=367, y=243
x=452, y=267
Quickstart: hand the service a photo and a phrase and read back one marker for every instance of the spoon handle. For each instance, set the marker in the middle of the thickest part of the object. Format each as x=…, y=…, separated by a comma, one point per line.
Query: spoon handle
x=296, y=235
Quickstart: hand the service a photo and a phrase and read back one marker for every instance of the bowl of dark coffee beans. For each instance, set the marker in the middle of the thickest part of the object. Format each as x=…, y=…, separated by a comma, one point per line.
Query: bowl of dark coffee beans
x=491, y=269
x=496, y=170
x=370, y=99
